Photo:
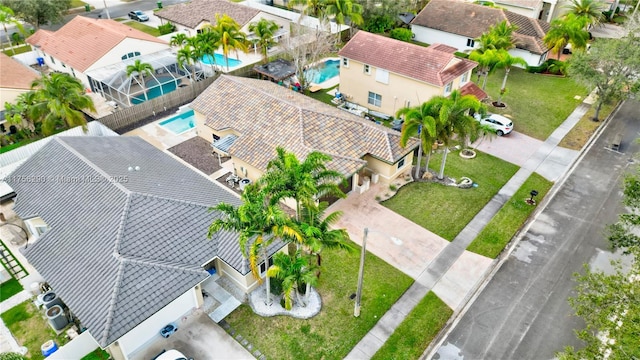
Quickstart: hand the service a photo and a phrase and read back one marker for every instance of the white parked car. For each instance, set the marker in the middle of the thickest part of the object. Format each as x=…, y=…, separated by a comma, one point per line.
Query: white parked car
x=172, y=355
x=499, y=123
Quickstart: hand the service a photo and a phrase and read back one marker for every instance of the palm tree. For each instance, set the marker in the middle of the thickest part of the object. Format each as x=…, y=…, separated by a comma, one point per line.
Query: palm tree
x=486, y=60
x=185, y=58
x=316, y=229
x=294, y=271
x=258, y=223
x=499, y=36
x=421, y=120
x=343, y=10
x=567, y=30
x=7, y=17
x=206, y=44
x=287, y=177
x=506, y=61
x=453, y=114
x=178, y=40
x=141, y=69
x=311, y=7
x=59, y=101
x=20, y=113
x=590, y=11
x=264, y=31
x=230, y=36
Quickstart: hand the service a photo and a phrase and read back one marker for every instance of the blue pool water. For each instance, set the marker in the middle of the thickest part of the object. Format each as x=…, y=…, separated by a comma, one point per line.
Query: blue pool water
x=167, y=85
x=323, y=72
x=180, y=123
x=218, y=59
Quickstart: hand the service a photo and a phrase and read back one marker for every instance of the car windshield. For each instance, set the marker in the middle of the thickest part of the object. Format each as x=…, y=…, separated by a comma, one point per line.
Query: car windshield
x=139, y=13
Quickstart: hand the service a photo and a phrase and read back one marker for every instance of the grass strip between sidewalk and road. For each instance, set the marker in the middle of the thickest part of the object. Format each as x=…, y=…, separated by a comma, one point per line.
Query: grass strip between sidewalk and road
x=144, y=28
x=446, y=210
x=580, y=134
x=416, y=331
x=510, y=218
x=334, y=331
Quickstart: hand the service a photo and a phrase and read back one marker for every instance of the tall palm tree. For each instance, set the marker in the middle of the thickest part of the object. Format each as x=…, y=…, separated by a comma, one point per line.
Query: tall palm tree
x=206, y=44
x=258, y=223
x=59, y=101
x=590, y=11
x=486, y=60
x=230, y=36
x=7, y=16
x=264, y=31
x=316, y=229
x=311, y=7
x=499, y=36
x=344, y=11
x=454, y=115
x=506, y=61
x=141, y=69
x=567, y=30
x=294, y=271
x=306, y=181
x=423, y=120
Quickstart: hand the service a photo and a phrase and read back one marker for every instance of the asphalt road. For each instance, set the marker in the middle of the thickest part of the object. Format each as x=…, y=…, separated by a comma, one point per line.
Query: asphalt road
x=523, y=313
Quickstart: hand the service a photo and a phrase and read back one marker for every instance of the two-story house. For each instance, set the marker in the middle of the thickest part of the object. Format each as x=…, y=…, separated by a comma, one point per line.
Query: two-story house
x=385, y=75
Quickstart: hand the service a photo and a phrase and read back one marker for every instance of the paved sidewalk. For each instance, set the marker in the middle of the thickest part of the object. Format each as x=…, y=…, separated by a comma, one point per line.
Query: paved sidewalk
x=549, y=161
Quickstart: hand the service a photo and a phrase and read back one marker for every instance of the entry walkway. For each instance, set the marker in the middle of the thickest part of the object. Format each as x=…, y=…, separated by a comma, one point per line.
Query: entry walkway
x=549, y=161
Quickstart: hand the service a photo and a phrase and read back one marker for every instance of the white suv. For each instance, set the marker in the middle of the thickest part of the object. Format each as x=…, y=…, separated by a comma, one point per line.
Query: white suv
x=499, y=123
x=171, y=355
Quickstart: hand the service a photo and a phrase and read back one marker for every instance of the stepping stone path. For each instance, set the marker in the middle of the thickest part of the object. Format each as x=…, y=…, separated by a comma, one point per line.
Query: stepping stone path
x=241, y=340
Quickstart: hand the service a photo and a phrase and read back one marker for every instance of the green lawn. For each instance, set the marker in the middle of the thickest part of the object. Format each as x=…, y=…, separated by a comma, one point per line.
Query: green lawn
x=321, y=95
x=9, y=288
x=16, y=50
x=334, y=331
x=582, y=131
x=97, y=354
x=510, y=218
x=415, y=332
x=446, y=210
x=77, y=4
x=29, y=327
x=144, y=28
x=537, y=103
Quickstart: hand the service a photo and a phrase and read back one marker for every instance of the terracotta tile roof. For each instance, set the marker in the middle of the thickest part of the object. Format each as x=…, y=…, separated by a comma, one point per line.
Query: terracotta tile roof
x=192, y=13
x=267, y=115
x=14, y=74
x=473, y=89
x=471, y=20
x=435, y=64
x=83, y=41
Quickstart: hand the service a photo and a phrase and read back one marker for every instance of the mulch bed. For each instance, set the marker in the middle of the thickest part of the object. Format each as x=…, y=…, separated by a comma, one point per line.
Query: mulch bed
x=197, y=152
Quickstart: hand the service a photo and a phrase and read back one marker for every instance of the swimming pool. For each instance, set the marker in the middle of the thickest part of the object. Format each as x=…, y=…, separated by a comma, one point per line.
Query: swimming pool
x=167, y=85
x=180, y=123
x=323, y=72
x=218, y=59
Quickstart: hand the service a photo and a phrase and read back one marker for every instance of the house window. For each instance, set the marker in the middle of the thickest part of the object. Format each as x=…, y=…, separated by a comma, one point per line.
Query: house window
x=73, y=73
x=382, y=76
x=375, y=99
x=464, y=78
x=63, y=65
x=130, y=55
x=345, y=62
x=401, y=163
x=52, y=61
x=263, y=269
x=367, y=69
x=447, y=88
x=471, y=43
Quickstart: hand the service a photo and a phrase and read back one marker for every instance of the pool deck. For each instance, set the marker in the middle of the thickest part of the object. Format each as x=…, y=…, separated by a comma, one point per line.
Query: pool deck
x=159, y=137
x=331, y=82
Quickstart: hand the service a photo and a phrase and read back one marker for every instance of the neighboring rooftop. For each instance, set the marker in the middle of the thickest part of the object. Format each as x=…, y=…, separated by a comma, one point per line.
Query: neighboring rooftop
x=83, y=41
x=15, y=75
x=266, y=115
x=127, y=228
x=471, y=20
x=193, y=13
x=436, y=64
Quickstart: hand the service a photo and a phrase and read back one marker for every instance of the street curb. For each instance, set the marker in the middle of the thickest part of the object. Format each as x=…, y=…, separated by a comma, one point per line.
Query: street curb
x=435, y=344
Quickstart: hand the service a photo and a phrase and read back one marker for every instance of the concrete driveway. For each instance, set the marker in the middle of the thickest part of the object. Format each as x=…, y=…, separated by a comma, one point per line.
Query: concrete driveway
x=515, y=148
x=198, y=337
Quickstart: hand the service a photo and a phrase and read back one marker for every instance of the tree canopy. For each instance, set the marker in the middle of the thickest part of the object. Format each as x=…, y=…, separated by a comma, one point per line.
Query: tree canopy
x=39, y=12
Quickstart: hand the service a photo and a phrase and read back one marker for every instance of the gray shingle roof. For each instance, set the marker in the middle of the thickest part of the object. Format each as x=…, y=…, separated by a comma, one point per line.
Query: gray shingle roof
x=267, y=115
x=117, y=252
x=471, y=20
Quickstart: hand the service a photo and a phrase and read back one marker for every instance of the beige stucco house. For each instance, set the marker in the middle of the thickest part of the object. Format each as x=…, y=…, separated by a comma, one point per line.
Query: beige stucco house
x=15, y=79
x=248, y=119
x=385, y=75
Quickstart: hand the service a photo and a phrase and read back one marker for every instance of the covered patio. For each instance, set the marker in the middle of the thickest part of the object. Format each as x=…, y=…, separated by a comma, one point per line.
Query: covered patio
x=120, y=89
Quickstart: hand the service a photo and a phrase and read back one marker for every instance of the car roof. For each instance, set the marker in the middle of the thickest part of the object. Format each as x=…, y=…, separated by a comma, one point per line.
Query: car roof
x=171, y=355
x=499, y=118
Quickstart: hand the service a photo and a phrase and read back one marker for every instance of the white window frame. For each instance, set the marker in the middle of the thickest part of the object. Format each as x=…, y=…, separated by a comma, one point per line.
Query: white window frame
x=367, y=69
x=345, y=62
x=401, y=162
x=447, y=88
x=465, y=78
x=374, y=99
x=264, y=272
